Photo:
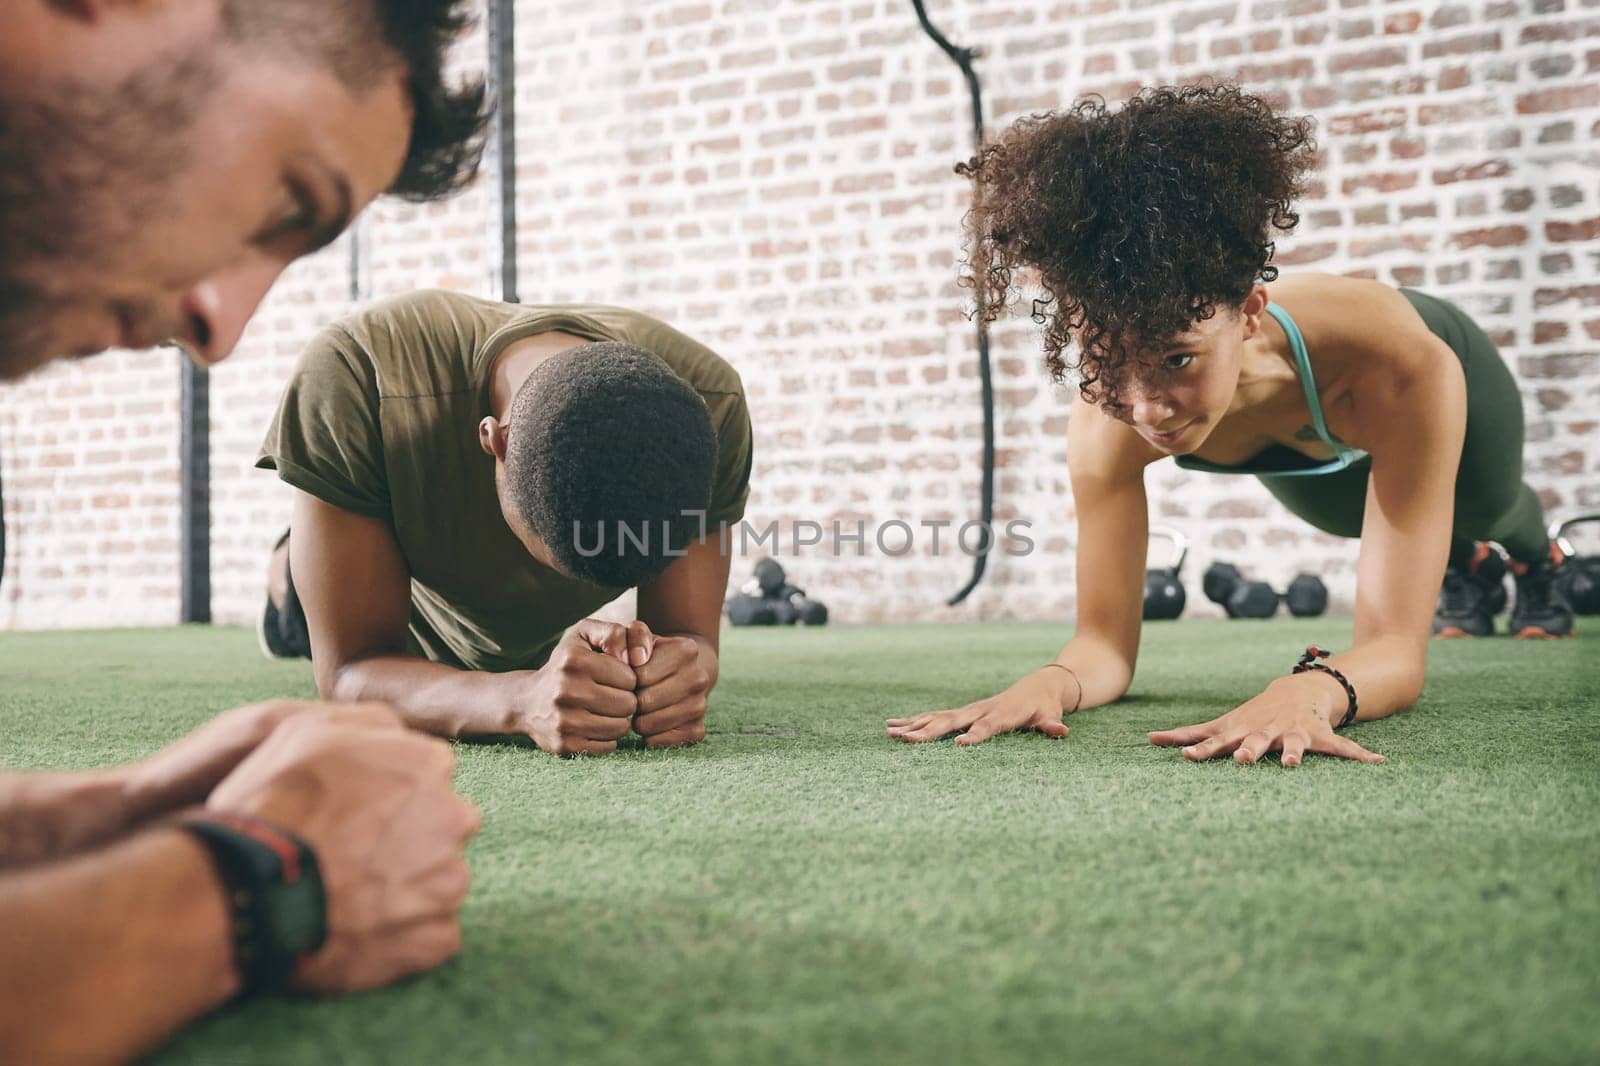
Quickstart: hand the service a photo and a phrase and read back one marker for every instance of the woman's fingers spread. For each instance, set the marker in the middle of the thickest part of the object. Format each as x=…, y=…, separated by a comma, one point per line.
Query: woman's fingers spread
x=980, y=731
x=1189, y=734
x=1210, y=749
x=1347, y=748
x=1252, y=747
x=938, y=725
x=1294, y=748
x=1052, y=727
x=934, y=724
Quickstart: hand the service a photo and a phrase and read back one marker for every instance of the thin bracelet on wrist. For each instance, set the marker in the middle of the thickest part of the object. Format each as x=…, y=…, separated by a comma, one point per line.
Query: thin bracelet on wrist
x=1076, y=680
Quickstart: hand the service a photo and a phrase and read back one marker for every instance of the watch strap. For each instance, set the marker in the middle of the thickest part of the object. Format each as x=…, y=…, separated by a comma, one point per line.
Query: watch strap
x=273, y=890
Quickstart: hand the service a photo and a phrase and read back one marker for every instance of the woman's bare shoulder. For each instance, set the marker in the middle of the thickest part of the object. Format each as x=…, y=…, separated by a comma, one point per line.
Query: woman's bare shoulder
x=1352, y=316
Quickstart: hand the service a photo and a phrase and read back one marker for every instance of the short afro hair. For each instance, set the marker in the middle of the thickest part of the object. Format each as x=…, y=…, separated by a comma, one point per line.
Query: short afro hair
x=1138, y=222
x=610, y=460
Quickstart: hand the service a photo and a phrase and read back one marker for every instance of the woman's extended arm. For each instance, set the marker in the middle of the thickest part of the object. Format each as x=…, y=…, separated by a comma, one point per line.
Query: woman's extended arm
x=1410, y=415
x=1107, y=464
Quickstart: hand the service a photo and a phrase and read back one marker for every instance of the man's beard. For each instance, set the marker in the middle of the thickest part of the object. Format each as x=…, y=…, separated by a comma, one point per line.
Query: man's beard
x=84, y=167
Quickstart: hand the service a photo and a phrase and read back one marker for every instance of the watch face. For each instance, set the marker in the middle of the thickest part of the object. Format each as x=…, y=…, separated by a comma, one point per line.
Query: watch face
x=299, y=924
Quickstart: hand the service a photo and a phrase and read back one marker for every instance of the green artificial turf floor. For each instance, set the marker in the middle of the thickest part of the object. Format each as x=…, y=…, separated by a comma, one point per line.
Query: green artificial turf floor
x=801, y=889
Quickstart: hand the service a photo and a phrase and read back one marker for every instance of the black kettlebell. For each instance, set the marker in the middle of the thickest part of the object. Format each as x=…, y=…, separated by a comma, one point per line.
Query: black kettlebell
x=1163, y=589
x=1578, y=576
x=769, y=578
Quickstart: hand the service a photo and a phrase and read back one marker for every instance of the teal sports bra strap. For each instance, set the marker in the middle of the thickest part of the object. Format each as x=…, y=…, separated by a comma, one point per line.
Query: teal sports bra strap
x=1308, y=382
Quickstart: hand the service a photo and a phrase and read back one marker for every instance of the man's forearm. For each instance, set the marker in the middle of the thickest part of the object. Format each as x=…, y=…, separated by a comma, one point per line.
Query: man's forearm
x=49, y=815
x=108, y=953
x=434, y=697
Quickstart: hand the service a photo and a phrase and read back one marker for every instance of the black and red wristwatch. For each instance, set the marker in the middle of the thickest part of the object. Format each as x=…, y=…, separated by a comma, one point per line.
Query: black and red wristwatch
x=274, y=895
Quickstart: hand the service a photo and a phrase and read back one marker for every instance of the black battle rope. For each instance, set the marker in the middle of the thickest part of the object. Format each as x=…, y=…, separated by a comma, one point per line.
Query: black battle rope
x=963, y=57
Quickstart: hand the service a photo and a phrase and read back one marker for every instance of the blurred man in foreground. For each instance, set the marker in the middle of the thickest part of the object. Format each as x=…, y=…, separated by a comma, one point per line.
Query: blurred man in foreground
x=164, y=161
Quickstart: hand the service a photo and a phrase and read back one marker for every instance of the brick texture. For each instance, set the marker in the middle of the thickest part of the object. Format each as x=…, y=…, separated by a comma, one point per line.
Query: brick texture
x=774, y=177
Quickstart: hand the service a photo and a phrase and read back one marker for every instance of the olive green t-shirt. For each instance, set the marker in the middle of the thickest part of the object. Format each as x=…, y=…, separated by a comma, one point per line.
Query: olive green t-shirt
x=381, y=419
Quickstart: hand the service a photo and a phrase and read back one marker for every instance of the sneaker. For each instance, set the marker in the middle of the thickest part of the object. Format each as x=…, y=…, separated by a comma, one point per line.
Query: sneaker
x=1542, y=612
x=281, y=628
x=1488, y=566
x=1463, y=609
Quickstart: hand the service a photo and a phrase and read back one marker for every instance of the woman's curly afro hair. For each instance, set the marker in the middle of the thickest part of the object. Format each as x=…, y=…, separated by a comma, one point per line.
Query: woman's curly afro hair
x=1138, y=222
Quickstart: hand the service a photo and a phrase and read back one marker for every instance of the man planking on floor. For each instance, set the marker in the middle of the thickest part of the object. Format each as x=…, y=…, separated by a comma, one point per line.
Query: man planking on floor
x=474, y=477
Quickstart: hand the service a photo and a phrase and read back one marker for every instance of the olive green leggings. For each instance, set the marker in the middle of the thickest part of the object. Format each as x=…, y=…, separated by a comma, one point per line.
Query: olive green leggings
x=1492, y=500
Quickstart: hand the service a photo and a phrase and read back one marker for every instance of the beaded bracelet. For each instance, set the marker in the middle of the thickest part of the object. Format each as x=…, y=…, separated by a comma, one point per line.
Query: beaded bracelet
x=1308, y=661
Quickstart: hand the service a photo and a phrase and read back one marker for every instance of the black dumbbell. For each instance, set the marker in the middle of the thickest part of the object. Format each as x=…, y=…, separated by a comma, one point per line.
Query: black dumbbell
x=1578, y=576
x=1223, y=584
x=808, y=612
x=745, y=610
x=768, y=599
x=1163, y=589
x=1307, y=596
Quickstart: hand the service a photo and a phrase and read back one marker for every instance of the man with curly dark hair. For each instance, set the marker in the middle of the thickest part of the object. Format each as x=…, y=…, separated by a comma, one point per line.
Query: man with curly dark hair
x=164, y=162
x=1368, y=411
x=161, y=162
x=474, y=477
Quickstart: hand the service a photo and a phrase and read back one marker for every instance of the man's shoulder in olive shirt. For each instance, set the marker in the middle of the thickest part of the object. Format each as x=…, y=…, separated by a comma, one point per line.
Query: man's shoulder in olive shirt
x=380, y=418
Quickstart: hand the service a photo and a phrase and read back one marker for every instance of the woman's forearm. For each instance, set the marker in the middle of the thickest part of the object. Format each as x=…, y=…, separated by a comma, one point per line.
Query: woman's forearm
x=1386, y=673
x=1102, y=672
x=108, y=953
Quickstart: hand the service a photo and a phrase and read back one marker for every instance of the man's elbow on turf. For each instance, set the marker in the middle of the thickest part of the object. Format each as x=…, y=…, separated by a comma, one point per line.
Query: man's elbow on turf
x=344, y=682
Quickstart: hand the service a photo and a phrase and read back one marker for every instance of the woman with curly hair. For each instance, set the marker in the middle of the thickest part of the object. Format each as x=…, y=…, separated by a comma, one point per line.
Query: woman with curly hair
x=1368, y=411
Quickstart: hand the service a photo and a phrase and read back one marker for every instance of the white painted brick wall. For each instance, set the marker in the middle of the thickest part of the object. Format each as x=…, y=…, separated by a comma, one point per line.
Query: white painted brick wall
x=774, y=177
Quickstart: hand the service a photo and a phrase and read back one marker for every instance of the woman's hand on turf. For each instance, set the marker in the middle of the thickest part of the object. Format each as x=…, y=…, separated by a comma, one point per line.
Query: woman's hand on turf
x=1036, y=702
x=1283, y=718
x=582, y=701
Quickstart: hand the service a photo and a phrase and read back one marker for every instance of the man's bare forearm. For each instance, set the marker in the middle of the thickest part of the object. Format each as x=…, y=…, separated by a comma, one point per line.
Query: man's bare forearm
x=108, y=953
x=50, y=815
x=434, y=697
